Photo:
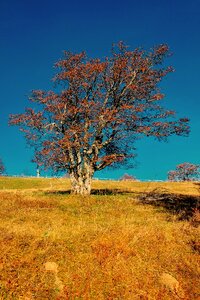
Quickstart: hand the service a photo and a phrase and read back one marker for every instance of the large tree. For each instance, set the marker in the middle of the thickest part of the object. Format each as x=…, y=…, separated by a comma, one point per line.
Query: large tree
x=185, y=172
x=97, y=110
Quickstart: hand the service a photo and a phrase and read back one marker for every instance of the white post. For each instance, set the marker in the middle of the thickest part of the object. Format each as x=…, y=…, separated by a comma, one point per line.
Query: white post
x=38, y=172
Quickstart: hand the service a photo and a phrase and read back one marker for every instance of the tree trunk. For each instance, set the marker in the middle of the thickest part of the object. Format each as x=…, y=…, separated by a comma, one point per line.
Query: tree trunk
x=81, y=184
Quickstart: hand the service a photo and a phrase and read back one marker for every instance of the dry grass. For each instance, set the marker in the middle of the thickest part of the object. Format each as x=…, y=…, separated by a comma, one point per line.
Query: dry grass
x=106, y=246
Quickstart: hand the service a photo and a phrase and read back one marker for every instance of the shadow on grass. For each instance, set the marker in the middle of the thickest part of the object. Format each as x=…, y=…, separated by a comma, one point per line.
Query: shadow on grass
x=93, y=192
x=110, y=192
x=181, y=205
x=198, y=185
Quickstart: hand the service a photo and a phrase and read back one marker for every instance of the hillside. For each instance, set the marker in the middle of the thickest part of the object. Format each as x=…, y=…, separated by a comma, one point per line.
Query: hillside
x=128, y=240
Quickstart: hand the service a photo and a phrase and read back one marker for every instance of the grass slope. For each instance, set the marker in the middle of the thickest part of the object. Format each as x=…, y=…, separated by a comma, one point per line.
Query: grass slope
x=107, y=246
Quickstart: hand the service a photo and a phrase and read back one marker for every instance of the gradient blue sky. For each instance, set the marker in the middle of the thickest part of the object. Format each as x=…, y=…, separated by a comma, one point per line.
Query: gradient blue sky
x=34, y=33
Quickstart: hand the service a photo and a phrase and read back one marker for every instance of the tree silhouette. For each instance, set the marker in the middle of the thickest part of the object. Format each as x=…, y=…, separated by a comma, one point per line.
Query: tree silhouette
x=2, y=167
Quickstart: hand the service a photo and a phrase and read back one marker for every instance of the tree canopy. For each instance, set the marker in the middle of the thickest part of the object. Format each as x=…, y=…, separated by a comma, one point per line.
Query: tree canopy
x=97, y=110
x=185, y=172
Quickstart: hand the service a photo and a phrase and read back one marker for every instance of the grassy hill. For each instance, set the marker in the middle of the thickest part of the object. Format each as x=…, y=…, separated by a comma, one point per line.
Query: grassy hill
x=128, y=240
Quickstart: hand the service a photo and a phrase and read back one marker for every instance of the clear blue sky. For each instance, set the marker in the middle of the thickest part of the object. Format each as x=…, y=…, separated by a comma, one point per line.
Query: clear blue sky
x=34, y=34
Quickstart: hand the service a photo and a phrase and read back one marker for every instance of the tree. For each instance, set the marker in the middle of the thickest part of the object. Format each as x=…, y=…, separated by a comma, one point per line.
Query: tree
x=127, y=177
x=98, y=109
x=2, y=167
x=185, y=172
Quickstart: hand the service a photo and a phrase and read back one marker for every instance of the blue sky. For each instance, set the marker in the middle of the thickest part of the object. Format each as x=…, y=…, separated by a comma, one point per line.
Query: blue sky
x=34, y=34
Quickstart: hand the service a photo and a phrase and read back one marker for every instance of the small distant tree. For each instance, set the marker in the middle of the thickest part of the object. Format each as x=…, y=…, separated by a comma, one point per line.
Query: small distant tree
x=2, y=167
x=66, y=175
x=128, y=177
x=98, y=109
x=185, y=172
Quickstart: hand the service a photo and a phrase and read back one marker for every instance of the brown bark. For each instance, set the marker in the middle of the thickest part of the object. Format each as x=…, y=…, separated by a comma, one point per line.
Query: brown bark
x=81, y=181
x=81, y=186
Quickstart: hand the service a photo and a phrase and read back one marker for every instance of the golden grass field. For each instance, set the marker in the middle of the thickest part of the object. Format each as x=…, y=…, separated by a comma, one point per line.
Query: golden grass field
x=111, y=245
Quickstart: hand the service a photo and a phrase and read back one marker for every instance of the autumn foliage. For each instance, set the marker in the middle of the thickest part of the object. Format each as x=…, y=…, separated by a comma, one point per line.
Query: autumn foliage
x=97, y=110
x=185, y=172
